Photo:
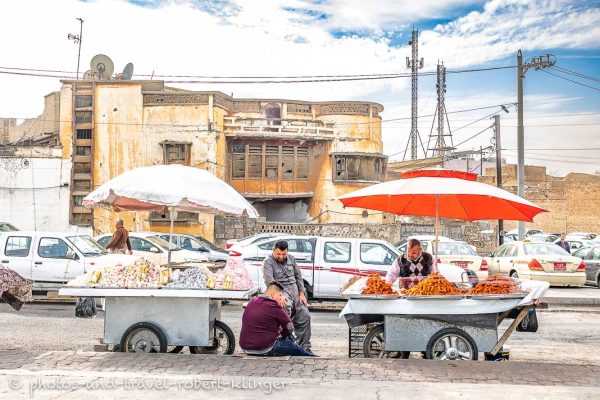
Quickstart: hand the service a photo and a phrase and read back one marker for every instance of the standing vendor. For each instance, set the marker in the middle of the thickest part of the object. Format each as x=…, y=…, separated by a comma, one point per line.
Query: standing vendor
x=281, y=267
x=411, y=267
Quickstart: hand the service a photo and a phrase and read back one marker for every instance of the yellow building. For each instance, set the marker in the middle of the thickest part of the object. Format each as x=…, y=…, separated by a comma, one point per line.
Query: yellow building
x=290, y=158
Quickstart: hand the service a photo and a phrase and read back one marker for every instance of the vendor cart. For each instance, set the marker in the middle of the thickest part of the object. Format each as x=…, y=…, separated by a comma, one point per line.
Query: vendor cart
x=441, y=327
x=152, y=320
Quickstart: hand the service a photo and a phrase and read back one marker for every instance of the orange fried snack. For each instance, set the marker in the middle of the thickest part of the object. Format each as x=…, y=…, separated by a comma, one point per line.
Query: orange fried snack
x=434, y=285
x=376, y=285
x=495, y=284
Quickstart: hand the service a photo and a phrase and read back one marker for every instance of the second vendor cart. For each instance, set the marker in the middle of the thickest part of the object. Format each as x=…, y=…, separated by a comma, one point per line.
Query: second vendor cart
x=441, y=327
x=149, y=320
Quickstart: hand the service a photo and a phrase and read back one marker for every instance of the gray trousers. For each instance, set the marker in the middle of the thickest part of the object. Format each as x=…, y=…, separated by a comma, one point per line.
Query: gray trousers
x=300, y=316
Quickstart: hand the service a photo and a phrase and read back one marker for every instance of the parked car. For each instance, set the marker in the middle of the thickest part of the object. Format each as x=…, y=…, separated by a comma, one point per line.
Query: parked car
x=462, y=255
x=580, y=236
x=575, y=245
x=300, y=247
x=6, y=227
x=425, y=240
x=251, y=239
x=543, y=237
x=155, y=249
x=327, y=263
x=528, y=232
x=511, y=237
x=52, y=259
x=537, y=261
x=198, y=244
x=591, y=259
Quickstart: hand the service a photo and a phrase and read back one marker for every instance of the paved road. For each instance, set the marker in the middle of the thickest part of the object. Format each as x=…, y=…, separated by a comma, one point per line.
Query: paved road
x=44, y=353
x=565, y=337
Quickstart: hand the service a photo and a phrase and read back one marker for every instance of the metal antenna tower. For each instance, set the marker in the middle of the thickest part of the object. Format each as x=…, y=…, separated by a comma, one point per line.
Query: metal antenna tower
x=414, y=65
x=440, y=147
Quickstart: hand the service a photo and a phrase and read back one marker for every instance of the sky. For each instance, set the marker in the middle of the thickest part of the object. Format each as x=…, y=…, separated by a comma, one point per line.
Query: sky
x=338, y=37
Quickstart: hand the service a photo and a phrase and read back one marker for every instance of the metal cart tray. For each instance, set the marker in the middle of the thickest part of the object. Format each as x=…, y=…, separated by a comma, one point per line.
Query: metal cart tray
x=436, y=297
x=373, y=296
x=497, y=296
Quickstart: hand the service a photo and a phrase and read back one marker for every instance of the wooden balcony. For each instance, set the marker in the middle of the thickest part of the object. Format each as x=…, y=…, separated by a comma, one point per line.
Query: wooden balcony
x=294, y=129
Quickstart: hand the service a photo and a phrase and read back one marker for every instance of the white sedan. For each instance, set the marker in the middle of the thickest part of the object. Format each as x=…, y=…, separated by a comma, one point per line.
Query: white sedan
x=155, y=249
x=462, y=255
x=537, y=261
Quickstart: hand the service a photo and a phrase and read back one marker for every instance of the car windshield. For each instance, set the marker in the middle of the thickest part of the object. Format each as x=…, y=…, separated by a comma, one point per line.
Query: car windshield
x=210, y=245
x=162, y=243
x=86, y=245
x=455, y=249
x=542, y=249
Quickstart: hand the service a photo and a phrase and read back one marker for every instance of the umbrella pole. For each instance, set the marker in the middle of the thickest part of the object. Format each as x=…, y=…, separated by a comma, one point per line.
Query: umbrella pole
x=171, y=217
x=435, y=248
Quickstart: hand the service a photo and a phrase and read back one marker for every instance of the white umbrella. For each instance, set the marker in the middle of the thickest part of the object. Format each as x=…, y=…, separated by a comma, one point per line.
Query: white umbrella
x=176, y=187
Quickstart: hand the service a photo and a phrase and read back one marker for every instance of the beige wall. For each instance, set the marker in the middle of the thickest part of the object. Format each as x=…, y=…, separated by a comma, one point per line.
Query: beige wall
x=35, y=128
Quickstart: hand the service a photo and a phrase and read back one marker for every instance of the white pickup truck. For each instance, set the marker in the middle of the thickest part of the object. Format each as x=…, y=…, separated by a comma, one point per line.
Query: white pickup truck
x=51, y=259
x=328, y=262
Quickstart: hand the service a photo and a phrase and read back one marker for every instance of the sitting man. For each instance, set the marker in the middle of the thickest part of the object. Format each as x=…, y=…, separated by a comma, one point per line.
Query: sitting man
x=264, y=320
x=411, y=267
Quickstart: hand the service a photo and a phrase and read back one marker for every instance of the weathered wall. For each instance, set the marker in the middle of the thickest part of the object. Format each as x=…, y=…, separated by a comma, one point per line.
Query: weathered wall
x=48, y=122
x=572, y=201
x=34, y=190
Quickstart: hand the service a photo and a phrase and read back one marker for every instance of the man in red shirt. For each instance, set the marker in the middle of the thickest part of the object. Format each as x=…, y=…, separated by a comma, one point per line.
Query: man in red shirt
x=267, y=330
x=120, y=243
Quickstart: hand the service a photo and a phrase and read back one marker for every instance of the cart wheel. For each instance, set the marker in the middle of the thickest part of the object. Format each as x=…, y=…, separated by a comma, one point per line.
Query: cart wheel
x=223, y=342
x=374, y=344
x=174, y=349
x=529, y=323
x=143, y=337
x=452, y=344
x=514, y=274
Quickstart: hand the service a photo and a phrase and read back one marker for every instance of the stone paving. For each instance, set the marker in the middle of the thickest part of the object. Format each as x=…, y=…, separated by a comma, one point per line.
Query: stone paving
x=323, y=369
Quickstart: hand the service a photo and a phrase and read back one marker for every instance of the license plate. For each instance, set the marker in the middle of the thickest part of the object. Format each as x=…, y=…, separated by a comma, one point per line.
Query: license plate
x=560, y=266
x=461, y=264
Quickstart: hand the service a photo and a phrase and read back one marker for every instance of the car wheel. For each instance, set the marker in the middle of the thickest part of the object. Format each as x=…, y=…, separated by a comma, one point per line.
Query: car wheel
x=223, y=341
x=514, y=274
x=452, y=344
x=598, y=282
x=143, y=337
x=374, y=344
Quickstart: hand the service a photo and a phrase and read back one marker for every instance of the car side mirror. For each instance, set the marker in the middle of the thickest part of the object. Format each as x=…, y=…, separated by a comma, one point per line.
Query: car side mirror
x=154, y=249
x=71, y=255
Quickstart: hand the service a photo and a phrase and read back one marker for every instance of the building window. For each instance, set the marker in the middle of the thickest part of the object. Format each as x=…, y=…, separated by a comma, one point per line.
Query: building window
x=82, y=185
x=358, y=168
x=84, y=134
x=83, y=101
x=176, y=153
x=78, y=201
x=238, y=161
x=82, y=168
x=255, y=161
x=292, y=161
x=83, y=117
x=83, y=151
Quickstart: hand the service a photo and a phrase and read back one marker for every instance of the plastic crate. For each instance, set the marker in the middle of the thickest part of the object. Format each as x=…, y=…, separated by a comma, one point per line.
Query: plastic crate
x=356, y=338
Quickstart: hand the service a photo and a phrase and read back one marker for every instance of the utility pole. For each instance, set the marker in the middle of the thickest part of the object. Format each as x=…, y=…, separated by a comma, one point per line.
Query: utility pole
x=77, y=39
x=498, y=172
x=537, y=63
x=414, y=65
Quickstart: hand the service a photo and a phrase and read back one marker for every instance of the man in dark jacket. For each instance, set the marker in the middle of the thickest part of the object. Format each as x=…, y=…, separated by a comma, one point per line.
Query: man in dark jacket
x=120, y=240
x=411, y=267
x=264, y=321
x=561, y=242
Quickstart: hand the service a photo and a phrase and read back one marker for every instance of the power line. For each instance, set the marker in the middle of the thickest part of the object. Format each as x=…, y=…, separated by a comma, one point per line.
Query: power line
x=474, y=136
x=574, y=73
x=570, y=80
x=561, y=149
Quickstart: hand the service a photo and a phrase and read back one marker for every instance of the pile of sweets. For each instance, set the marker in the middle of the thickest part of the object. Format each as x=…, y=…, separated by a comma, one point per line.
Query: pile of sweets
x=192, y=278
x=234, y=276
x=140, y=273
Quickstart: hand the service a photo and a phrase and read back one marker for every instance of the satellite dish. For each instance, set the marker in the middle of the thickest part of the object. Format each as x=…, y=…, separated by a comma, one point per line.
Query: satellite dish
x=90, y=75
x=103, y=65
x=128, y=72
